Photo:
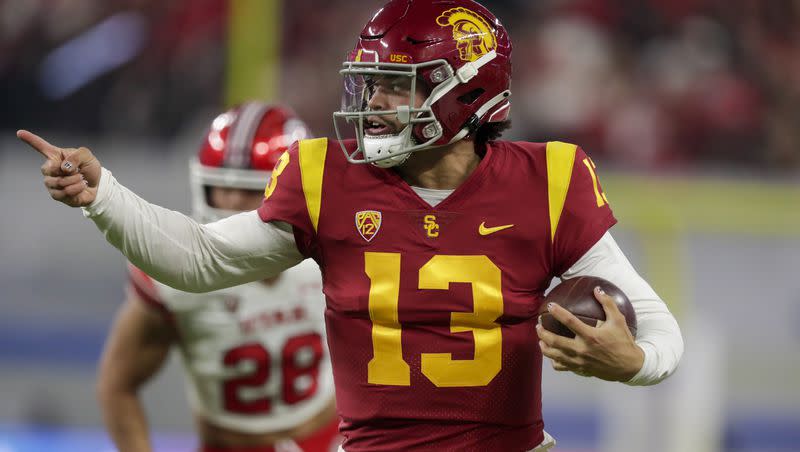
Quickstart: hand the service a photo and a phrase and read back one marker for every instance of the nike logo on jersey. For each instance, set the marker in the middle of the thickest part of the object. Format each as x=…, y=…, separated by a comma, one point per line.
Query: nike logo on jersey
x=483, y=230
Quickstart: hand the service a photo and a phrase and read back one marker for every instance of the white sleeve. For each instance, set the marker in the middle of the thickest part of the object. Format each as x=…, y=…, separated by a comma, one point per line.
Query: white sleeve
x=658, y=334
x=186, y=255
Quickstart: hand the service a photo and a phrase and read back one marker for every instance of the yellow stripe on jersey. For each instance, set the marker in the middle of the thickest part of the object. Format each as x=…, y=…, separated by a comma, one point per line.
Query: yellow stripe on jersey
x=312, y=165
x=560, y=160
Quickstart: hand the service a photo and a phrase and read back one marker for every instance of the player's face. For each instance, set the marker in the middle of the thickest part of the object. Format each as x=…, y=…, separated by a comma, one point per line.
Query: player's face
x=387, y=93
x=235, y=198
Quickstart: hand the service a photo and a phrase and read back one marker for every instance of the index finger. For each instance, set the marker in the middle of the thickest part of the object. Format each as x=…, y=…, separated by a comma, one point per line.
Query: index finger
x=607, y=302
x=39, y=144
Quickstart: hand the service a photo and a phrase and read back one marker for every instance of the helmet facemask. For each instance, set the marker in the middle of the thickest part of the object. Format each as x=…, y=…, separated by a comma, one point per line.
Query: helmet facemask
x=422, y=129
x=361, y=80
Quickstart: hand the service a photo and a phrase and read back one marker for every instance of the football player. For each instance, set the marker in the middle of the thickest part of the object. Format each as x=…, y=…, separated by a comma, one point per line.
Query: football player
x=258, y=374
x=436, y=242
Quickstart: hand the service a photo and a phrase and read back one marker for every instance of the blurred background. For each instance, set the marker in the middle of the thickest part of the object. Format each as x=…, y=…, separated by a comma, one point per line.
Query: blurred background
x=691, y=109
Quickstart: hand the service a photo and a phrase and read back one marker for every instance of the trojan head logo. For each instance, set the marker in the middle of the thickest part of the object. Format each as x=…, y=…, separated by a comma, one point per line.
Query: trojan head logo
x=368, y=222
x=472, y=33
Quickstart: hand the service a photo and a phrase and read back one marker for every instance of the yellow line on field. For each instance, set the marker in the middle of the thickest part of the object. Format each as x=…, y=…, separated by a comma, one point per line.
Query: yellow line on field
x=254, y=42
x=705, y=206
x=662, y=211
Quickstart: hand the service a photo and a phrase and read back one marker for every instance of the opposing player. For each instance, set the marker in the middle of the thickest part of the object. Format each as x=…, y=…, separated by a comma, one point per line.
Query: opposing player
x=436, y=242
x=258, y=374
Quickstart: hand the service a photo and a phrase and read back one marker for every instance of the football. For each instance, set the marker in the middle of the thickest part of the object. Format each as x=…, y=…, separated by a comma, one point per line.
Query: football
x=576, y=295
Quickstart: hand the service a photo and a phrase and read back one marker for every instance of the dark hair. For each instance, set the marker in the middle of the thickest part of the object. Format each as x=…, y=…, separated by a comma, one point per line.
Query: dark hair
x=489, y=132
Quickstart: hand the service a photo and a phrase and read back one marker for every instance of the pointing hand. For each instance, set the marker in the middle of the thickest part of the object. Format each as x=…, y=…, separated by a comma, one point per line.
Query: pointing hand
x=70, y=175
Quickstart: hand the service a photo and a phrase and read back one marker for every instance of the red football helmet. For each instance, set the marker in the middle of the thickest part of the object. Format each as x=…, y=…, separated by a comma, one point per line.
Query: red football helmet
x=240, y=150
x=456, y=49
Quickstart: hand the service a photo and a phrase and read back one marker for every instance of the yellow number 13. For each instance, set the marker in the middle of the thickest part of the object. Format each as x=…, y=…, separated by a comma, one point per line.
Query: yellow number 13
x=388, y=367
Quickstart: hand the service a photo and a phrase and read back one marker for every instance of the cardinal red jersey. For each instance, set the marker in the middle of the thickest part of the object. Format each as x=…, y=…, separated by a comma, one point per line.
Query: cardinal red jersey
x=431, y=310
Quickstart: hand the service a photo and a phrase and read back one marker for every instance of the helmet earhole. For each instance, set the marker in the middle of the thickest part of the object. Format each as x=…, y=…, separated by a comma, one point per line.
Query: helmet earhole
x=472, y=96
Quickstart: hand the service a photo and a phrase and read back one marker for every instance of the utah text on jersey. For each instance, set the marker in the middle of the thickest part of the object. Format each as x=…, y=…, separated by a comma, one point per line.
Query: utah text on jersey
x=255, y=354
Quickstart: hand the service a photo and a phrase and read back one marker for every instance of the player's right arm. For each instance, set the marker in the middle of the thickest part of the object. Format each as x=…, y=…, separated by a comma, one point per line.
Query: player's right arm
x=136, y=348
x=169, y=246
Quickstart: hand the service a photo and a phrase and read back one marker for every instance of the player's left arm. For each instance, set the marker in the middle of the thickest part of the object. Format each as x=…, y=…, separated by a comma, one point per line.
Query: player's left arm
x=582, y=246
x=608, y=352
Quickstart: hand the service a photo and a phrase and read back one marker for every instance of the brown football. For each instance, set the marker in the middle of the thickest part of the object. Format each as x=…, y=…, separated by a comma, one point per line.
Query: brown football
x=576, y=295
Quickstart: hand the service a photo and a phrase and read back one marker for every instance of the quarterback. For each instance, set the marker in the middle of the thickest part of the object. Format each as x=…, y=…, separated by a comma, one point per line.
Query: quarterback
x=258, y=374
x=436, y=242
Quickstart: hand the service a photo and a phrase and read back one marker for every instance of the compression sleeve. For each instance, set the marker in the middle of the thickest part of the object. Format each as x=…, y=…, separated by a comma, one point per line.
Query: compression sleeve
x=186, y=255
x=658, y=334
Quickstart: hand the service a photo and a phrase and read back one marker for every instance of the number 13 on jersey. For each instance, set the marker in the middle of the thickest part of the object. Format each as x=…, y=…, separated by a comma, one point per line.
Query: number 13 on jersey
x=388, y=367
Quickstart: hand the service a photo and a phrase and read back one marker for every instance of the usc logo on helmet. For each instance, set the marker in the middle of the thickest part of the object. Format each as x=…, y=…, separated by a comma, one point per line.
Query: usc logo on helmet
x=399, y=58
x=473, y=35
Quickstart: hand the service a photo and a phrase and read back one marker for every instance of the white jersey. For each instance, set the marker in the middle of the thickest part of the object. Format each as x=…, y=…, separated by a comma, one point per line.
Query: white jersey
x=255, y=355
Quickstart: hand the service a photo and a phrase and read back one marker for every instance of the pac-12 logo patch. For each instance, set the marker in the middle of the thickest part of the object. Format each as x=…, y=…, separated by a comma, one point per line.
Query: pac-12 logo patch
x=368, y=222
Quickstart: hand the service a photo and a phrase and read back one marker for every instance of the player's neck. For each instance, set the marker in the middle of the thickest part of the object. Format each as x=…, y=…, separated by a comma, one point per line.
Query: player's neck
x=442, y=168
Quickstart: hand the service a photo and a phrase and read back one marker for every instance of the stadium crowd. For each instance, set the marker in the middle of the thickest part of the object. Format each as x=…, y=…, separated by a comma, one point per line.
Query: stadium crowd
x=655, y=84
